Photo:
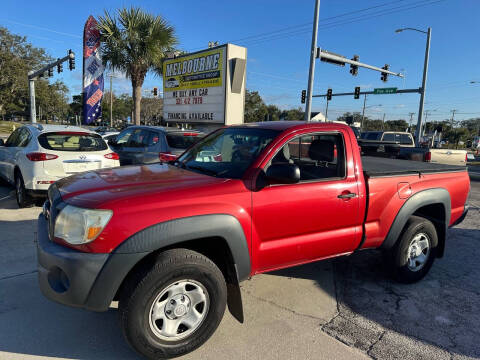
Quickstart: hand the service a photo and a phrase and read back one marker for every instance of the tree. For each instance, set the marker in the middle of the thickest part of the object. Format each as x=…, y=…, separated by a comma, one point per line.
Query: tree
x=396, y=125
x=135, y=42
x=17, y=58
x=293, y=114
x=255, y=108
x=152, y=110
x=273, y=112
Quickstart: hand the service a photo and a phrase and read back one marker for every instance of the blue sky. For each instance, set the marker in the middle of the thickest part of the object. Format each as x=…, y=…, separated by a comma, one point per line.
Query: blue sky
x=278, y=59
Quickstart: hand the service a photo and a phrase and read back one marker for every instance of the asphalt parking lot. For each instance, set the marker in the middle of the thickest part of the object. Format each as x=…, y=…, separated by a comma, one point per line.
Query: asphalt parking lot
x=341, y=309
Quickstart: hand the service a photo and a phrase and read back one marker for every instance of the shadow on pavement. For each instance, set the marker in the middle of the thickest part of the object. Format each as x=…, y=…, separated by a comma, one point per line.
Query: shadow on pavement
x=437, y=317
x=31, y=324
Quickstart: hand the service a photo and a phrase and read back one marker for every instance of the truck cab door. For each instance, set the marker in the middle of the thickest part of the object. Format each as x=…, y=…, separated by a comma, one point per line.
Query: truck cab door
x=317, y=217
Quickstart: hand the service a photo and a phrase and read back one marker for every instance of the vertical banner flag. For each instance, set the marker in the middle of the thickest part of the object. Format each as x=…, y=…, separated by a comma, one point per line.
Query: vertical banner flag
x=92, y=72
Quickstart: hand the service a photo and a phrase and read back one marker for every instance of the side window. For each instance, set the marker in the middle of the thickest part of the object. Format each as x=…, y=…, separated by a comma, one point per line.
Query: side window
x=24, y=137
x=319, y=156
x=152, y=139
x=124, y=136
x=388, y=137
x=406, y=139
x=12, y=140
x=139, y=138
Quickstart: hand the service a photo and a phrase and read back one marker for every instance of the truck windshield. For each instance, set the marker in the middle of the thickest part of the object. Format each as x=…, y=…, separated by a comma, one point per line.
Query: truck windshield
x=228, y=152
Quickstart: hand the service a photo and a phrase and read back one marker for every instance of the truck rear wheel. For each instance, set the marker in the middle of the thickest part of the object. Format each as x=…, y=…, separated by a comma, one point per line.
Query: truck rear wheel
x=173, y=307
x=414, y=253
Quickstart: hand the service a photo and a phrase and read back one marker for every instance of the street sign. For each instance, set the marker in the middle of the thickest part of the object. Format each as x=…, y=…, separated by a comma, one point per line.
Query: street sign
x=380, y=91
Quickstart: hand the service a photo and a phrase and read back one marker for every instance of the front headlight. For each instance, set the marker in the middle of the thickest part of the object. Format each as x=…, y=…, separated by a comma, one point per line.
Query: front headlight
x=80, y=226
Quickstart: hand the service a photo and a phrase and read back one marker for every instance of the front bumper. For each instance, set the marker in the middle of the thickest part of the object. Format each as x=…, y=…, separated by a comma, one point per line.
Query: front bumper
x=78, y=279
x=65, y=275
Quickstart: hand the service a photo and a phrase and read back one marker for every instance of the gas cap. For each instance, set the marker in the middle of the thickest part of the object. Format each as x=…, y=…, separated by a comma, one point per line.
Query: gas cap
x=404, y=190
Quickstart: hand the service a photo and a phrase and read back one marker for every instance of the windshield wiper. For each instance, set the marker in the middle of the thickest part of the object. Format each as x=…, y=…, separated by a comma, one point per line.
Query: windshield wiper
x=202, y=169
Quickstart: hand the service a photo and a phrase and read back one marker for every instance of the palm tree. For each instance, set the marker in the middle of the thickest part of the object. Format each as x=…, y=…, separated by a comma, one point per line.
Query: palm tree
x=135, y=43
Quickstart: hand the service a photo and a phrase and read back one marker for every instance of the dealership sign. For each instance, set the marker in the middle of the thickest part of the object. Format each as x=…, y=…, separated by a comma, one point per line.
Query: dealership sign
x=195, y=86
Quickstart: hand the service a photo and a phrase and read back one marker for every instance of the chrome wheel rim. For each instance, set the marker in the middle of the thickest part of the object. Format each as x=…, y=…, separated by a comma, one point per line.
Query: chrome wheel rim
x=179, y=310
x=418, y=252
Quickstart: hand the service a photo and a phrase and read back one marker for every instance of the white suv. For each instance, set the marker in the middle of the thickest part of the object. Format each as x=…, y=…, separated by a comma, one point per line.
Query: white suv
x=35, y=156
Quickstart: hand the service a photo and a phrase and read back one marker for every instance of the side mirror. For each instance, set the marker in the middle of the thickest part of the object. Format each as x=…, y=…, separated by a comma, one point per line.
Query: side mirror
x=2, y=143
x=283, y=174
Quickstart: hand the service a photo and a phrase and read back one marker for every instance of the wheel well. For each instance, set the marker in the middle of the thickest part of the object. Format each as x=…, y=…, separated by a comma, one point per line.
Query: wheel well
x=436, y=214
x=214, y=248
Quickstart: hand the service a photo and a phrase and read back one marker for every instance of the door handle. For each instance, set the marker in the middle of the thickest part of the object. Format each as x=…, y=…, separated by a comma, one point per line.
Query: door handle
x=348, y=195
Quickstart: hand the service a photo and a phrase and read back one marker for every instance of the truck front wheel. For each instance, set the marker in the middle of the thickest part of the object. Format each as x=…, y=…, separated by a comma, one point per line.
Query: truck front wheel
x=172, y=307
x=414, y=253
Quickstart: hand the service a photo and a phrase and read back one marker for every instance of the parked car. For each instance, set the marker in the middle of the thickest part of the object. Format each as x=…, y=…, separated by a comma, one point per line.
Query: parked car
x=102, y=130
x=35, y=156
x=404, y=139
x=152, y=144
x=171, y=242
x=110, y=136
x=400, y=145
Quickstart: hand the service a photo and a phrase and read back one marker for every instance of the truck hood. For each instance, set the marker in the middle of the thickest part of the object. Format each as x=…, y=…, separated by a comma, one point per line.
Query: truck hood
x=100, y=186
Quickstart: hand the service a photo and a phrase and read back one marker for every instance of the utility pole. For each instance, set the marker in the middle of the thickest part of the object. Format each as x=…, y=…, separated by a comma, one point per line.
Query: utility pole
x=383, y=122
x=424, y=85
x=311, y=72
x=411, y=118
x=454, y=130
x=111, y=101
x=363, y=111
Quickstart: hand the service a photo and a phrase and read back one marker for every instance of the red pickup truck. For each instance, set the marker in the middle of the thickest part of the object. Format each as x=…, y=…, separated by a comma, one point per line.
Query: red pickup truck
x=171, y=242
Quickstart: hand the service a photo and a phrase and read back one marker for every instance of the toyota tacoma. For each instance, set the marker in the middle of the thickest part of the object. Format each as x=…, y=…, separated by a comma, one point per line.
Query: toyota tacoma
x=172, y=241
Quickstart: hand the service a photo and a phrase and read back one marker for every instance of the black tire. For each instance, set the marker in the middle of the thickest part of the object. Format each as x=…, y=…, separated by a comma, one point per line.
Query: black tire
x=142, y=289
x=23, y=199
x=403, y=270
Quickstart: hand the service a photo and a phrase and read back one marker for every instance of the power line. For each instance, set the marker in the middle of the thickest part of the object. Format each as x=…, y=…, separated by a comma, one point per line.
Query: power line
x=349, y=21
x=43, y=28
x=277, y=34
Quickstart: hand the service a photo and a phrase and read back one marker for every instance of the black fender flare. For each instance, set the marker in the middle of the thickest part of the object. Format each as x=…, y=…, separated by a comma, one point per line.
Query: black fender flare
x=415, y=202
x=131, y=251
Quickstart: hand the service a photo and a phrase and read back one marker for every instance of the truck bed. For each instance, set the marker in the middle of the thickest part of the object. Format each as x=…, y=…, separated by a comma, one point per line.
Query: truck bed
x=377, y=166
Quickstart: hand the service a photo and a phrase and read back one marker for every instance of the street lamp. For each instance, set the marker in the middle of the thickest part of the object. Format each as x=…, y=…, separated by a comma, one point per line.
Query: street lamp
x=424, y=80
x=111, y=76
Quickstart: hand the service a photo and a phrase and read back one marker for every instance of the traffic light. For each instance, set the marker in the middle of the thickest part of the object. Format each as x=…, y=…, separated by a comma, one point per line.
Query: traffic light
x=354, y=68
x=50, y=72
x=385, y=75
x=59, y=67
x=71, y=60
x=329, y=94
x=357, y=92
x=155, y=91
x=302, y=98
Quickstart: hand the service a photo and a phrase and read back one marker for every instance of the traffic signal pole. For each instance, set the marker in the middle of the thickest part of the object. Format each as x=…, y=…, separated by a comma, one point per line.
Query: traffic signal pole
x=423, y=89
x=34, y=75
x=311, y=72
x=400, y=91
